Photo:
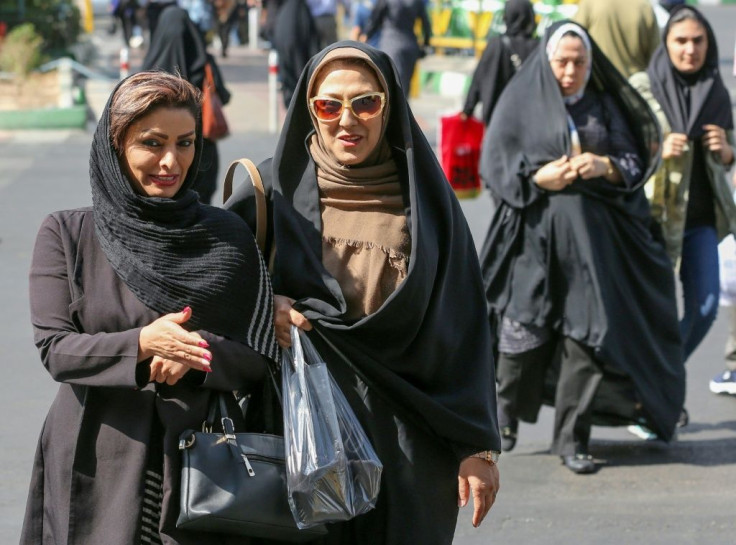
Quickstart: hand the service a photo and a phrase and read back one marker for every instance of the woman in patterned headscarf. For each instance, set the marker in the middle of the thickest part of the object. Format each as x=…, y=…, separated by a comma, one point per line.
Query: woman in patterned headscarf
x=142, y=306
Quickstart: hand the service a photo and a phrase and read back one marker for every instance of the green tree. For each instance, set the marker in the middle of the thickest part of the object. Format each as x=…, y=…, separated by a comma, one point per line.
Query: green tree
x=21, y=51
x=56, y=21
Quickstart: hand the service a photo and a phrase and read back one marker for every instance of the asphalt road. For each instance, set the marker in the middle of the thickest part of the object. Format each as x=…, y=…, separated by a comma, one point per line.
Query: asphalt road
x=645, y=493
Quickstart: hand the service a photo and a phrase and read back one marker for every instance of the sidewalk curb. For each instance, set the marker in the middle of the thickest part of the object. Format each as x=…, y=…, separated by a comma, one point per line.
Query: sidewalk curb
x=74, y=117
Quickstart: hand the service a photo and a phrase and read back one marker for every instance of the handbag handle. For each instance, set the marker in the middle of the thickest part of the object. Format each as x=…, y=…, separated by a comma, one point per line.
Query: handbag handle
x=260, y=194
x=209, y=78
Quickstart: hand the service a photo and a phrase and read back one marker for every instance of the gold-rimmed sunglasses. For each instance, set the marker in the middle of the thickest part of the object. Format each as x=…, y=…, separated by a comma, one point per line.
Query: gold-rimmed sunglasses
x=363, y=107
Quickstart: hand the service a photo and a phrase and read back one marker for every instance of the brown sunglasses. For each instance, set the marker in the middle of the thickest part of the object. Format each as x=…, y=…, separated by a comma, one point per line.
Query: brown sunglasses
x=362, y=107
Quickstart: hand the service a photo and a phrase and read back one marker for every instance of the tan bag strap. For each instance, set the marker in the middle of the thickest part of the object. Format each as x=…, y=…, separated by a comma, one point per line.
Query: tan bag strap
x=260, y=193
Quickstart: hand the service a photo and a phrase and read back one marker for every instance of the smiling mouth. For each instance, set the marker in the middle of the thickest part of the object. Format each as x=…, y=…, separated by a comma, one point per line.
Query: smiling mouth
x=350, y=140
x=167, y=180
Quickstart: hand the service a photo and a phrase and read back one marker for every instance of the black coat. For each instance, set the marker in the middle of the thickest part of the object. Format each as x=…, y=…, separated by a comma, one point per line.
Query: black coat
x=498, y=65
x=89, y=466
x=588, y=261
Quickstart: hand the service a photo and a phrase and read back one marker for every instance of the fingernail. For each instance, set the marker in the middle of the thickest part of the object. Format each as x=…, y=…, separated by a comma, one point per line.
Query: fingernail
x=207, y=369
x=186, y=309
x=204, y=344
x=207, y=356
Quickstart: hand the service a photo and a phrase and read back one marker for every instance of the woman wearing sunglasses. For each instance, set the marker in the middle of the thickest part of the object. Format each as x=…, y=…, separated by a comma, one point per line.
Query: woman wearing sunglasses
x=373, y=257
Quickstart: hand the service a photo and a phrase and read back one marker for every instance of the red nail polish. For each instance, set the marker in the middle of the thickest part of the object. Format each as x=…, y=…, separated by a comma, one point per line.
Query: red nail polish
x=186, y=309
x=207, y=356
x=204, y=344
x=207, y=369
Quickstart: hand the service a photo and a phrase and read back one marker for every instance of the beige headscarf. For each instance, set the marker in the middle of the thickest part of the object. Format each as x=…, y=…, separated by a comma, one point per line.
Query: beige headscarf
x=365, y=240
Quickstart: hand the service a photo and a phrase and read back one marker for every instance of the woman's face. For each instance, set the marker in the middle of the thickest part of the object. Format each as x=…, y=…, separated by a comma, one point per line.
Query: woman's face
x=158, y=151
x=687, y=46
x=349, y=139
x=570, y=65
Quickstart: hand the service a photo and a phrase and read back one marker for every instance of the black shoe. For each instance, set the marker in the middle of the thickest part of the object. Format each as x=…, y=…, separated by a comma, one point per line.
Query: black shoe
x=508, y=438
x=684, y=419
x=579, y=463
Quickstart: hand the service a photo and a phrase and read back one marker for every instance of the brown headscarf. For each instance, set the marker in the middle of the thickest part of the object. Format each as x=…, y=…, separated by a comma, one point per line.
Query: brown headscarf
x=365, y=240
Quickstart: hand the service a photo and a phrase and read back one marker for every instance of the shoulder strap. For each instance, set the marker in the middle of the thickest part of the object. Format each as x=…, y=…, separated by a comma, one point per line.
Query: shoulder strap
x=260, y=194
x=515, y=58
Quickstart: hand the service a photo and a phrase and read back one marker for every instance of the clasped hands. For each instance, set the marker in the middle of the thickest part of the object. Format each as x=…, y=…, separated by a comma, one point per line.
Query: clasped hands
x=558, y=174
x=173, y=350
x=714, y=139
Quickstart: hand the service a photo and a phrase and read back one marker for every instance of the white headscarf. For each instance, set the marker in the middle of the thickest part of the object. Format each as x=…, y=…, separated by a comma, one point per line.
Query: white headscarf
x=554, y=42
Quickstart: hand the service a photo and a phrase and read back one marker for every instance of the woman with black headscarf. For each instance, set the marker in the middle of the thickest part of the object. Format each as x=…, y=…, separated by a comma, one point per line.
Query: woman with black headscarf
x=178, y=47
x=374, y=257
x=142, y=305
x=691, y=195
x=502, y=57
x=572, y=265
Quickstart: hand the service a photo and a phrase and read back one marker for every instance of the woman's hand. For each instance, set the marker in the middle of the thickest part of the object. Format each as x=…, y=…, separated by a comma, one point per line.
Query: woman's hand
x=674, y=145
x=589, y=165
x=715, y=140
x=482, y=479
x=167, y=339
x=166, y=371
x=284, y=316
x=556, y=175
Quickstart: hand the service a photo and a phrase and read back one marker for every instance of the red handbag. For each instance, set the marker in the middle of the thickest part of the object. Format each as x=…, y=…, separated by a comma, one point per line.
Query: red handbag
x=459, y=142
x=214, y=124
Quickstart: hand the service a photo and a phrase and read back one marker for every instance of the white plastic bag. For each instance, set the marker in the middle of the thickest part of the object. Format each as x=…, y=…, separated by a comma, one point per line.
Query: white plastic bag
x=727, y=260
x=332, y=471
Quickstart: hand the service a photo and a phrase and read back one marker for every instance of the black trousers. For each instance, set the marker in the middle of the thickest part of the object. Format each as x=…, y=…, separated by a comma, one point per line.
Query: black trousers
x=520, y=390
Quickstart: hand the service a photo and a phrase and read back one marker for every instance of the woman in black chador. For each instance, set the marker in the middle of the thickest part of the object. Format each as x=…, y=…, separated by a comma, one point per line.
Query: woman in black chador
x=375, y=259
x=177, y=47
x=502, y=57
x=142, y=306
x=573, y=267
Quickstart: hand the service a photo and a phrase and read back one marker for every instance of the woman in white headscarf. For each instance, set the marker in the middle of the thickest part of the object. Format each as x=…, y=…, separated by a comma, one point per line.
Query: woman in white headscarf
x=575, y=274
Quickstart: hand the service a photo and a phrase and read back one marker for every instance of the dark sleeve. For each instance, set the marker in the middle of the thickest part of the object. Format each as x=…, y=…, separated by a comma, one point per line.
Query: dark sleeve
x=71, y=355
x=376, y=19
x=481, y=76
x=474, y=91
x=622, y=144
x=234, y=365
x=222, y=91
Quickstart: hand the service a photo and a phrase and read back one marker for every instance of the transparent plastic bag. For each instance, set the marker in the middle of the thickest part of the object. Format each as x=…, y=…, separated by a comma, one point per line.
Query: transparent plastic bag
x=332, y=471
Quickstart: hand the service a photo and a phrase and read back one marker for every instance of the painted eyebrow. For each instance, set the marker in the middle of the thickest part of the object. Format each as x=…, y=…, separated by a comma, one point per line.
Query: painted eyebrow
x=165, y=136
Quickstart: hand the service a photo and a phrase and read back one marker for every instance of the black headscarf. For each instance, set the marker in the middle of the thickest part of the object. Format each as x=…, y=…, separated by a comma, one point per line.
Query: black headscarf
x=495, y=67
x=177, y=47
x=176, y=252
x=530, y=127
x=587, y=261
x=693, y=100
x=518, y=16
x=427, y=350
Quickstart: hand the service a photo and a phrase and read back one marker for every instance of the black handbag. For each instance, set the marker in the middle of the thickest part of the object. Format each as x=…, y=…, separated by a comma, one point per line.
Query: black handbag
x=235, y=483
